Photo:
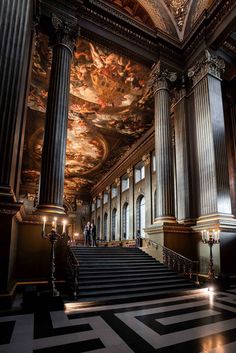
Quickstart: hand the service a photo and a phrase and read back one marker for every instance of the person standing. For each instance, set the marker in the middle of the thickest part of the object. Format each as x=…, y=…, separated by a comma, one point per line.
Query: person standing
x=93, y=234
x=87, y=230
x=138, y=238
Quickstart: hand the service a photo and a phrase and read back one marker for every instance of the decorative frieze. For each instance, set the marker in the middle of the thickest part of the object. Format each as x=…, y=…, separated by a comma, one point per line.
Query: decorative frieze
x=209, y=64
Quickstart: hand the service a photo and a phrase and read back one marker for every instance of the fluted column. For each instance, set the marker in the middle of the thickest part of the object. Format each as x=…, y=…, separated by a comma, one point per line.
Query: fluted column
x=214, y=194
x=118, y=215
x=101, y=216
x=54, y=147
x=16, y=19
x=182, y=157
x=95, y=210
x=165, y=199
x=148, y=190
x=108, y=189
x=130, y=173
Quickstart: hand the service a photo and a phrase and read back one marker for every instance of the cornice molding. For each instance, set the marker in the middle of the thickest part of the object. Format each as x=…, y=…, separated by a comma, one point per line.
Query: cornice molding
x=98, y=17
x=127, y=29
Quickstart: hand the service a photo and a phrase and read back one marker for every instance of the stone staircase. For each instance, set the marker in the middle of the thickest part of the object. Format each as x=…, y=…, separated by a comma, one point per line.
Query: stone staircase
x=108, y=274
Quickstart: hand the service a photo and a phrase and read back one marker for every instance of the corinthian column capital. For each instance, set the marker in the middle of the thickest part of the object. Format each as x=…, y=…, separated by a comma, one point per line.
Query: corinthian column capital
x=207, y=64
x=146, y=159
x=130, y=172
x=64, y=32
x=161, y=77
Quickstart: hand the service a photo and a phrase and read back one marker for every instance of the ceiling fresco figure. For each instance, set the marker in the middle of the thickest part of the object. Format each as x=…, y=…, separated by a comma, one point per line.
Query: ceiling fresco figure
x=107, y=99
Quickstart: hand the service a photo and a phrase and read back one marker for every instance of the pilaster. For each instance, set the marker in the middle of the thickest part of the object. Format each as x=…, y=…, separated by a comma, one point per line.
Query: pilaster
x=130, y=173
x=108, y=189
x=118, y=215
x=182, y=148
x=214, y=192
x=148, y=189
x=101, y=216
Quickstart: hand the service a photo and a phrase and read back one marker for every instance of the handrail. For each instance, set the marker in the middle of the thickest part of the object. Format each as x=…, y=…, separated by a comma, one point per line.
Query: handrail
x=73, y=271
x=176, y=261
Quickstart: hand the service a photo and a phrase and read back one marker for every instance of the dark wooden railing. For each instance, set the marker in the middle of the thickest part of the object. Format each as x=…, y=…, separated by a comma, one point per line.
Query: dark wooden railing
x=72, y=272
x=175, y=261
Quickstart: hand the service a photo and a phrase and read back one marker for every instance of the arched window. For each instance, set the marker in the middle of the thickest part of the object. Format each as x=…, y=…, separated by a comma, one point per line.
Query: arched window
x=105, y=226
x=98, y=227
x=113, y=224
x=125, y=218
x=140, y=215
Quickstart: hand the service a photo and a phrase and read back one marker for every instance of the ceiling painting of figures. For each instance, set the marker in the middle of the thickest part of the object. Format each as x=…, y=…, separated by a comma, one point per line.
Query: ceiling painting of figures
x=109, y=106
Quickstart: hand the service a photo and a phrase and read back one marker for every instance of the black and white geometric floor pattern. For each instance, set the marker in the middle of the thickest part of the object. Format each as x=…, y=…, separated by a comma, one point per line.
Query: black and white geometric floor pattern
x=196, y=323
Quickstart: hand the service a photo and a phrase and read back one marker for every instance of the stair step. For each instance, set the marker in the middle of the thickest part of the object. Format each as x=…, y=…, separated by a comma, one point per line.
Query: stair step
x=118, y=279
x=101, y=261
x=98, y=287
x=121, y=298
x=121, y=276
x=119, y=266
x=96, y=293
x=116, y=273
x=120, y=272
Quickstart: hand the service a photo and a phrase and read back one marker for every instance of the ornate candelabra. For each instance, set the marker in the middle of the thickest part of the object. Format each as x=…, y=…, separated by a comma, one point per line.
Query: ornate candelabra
x=211, y=237
x=53, y=237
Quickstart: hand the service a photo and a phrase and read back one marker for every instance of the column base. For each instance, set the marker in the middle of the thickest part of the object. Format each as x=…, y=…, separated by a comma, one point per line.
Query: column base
x=216, y=220
x=165, y=220
x=10, y=208
x=50, y=210
x=7, y=195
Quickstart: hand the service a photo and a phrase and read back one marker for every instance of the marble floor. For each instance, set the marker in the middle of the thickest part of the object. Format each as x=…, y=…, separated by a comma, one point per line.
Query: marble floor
x=195, y=323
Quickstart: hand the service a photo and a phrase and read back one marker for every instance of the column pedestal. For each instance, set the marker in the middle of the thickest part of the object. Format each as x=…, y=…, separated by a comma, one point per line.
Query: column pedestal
x=8, y=245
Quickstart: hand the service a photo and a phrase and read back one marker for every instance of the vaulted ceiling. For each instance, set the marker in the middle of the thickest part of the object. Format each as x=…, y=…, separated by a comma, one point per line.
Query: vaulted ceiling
x=173, y=17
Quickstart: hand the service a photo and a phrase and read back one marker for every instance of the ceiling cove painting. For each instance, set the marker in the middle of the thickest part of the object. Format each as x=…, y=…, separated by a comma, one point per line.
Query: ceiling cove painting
x=108, y=107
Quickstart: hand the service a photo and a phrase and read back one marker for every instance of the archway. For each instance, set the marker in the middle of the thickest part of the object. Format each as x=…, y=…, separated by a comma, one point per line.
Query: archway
x=113, y=224
x=140, y=215
x=105, y=227
x=125, y=221
x=98, y=227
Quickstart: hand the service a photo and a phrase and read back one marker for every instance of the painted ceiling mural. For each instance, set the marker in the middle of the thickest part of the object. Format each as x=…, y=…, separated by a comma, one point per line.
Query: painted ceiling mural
x=109, y=109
